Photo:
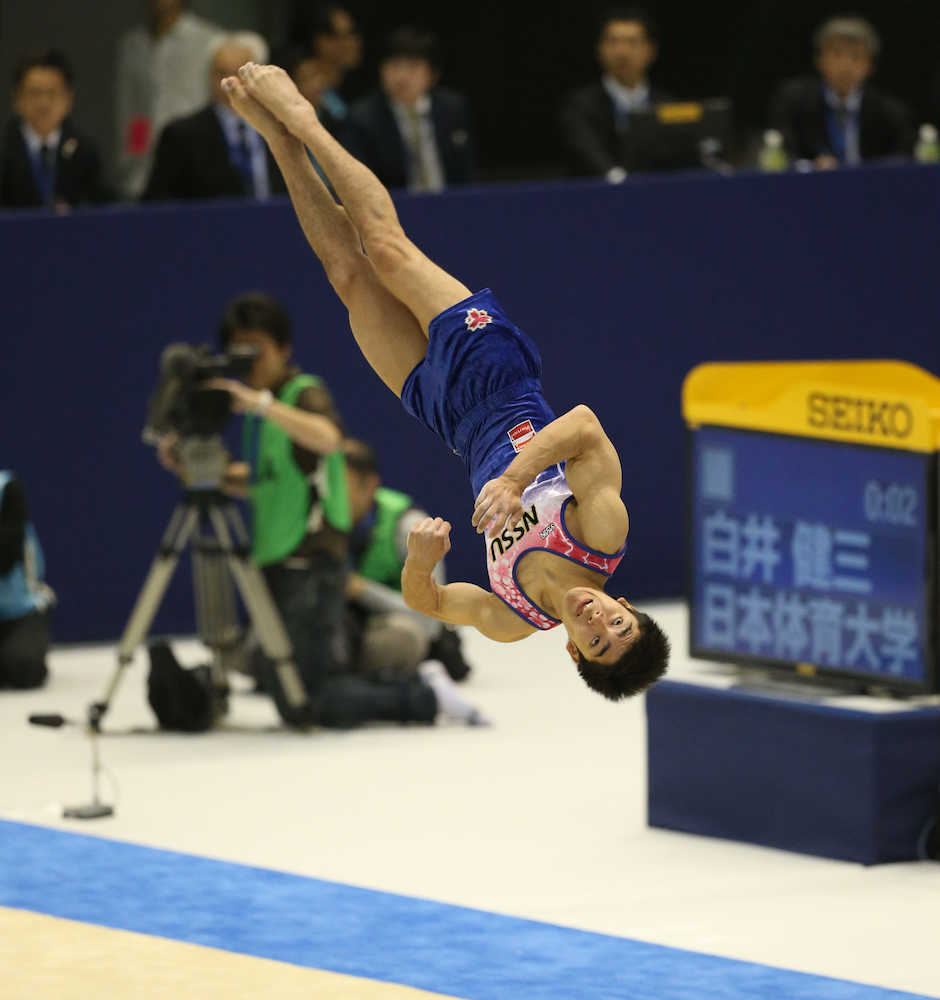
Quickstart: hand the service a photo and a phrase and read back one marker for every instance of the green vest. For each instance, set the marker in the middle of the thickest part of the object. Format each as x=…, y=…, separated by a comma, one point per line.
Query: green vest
x=284, y=504
x=381, y=561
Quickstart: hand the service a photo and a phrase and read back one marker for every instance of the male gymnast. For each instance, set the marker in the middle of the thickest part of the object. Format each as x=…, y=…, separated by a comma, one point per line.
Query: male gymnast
x=547, y=489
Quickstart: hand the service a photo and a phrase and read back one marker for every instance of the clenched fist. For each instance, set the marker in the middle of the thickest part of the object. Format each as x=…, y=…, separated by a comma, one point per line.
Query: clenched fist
x=429, y=542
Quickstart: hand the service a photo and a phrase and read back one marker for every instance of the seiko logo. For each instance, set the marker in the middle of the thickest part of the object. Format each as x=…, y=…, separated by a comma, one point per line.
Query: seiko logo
x=505, y=541
x=547, y=530
x=864, y=416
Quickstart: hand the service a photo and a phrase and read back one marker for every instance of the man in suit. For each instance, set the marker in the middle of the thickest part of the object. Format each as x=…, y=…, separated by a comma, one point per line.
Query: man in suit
x=214, y=153
x=837, y=118
x=595, y=120
x=46, y=161
x=412, y=133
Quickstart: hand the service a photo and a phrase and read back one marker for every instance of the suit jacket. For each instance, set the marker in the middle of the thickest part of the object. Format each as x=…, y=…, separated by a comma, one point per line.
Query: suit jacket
x=79, y=178
x=192, y=161
x=589, y=133
x=371, y=134
x=798, y=110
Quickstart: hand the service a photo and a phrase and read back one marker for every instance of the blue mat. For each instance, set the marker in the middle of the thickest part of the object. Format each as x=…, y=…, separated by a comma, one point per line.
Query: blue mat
x=324, y=925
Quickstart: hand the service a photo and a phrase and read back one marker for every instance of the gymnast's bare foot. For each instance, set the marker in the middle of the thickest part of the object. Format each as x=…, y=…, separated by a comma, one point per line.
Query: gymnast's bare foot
x=257, y=116
x=271, y=87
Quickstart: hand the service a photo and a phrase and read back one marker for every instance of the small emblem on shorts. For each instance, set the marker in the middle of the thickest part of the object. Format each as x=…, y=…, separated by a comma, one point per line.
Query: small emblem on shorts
x=477, y=318
x=521, y=435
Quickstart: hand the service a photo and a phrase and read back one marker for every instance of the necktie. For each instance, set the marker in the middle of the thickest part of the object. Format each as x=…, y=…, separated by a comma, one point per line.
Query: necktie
x=46, y=167
x=843, y=117
x=421, y=180
x=243, y=159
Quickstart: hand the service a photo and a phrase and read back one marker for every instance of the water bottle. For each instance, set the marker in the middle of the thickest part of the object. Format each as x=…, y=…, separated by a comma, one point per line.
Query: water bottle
x=927, y=149
x=772, y=157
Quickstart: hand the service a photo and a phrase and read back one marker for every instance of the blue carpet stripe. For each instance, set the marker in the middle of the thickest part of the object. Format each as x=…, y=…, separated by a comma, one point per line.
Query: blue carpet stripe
x=340, y=928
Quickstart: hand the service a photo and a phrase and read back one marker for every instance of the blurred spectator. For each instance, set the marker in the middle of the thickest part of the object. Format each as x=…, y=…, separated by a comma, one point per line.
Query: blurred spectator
x=214, y=153
x=24, y=598
x=162, y=73
x=595, y=121
x=837, y=118
x=312, y=76
x=411, y=132
x=329, y=32
x=46, y=160
x=386, y=633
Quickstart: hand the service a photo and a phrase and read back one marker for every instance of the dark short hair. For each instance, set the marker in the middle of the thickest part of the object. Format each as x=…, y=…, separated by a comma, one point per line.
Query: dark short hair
x=360, y=457
x=643, y=663
x=255, y=311
x=413, y=43
x=312, y=20
x=628, y=13
x=290, y=56
x=44, y=59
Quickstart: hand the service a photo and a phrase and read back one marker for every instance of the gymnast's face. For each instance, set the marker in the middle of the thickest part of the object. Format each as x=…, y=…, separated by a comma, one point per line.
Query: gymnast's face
x=598, y=625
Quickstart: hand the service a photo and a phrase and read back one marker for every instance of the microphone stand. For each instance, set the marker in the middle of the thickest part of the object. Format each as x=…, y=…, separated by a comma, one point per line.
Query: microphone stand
x=95, y=809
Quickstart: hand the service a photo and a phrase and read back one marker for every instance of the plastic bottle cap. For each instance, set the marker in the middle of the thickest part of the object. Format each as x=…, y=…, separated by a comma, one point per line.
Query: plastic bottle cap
x=928, y=133
x=773, y=138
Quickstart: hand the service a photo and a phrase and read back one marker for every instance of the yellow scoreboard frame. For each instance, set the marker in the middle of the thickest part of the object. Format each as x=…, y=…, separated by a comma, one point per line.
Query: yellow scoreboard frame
x=877, y=404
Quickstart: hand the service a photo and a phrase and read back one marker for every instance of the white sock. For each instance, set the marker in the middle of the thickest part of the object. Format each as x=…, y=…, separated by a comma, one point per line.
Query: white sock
x=449, y=699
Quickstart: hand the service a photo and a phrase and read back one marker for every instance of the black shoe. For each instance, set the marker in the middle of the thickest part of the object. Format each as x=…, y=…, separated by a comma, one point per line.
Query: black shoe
x=446, y=648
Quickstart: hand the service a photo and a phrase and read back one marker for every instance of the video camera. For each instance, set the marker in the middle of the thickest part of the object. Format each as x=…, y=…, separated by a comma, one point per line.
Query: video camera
x=181, y=402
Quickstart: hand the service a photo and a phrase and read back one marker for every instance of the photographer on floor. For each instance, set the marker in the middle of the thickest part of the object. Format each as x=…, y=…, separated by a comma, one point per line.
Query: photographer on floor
x=293, y=473
x=25, y=601
x=387, y=635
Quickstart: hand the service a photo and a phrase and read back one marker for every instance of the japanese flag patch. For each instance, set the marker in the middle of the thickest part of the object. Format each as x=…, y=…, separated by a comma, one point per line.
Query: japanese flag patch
x=521, y=435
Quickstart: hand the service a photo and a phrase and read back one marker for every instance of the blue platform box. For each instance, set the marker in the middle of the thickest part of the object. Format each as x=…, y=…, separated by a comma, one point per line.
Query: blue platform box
x=843, y=783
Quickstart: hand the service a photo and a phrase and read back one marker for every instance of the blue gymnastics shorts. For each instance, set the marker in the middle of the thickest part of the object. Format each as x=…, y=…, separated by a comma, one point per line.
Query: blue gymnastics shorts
x=478, y=387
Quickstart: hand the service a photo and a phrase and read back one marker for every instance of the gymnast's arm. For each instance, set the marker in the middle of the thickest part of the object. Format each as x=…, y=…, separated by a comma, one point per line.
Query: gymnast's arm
x=592, y=470
x=455, y=603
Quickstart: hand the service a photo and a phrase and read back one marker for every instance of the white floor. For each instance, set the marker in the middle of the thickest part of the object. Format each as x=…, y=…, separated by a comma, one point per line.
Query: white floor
x=541, y=816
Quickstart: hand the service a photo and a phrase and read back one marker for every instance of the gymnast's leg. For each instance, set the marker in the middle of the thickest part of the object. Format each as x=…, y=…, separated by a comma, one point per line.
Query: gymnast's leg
x=409, y=275
x=386, y=331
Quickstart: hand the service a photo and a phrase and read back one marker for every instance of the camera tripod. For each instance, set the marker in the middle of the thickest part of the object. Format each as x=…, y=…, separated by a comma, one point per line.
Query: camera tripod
x=224, y=545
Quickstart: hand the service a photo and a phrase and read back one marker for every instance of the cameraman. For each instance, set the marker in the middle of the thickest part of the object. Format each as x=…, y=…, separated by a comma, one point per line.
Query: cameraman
x=293, y=473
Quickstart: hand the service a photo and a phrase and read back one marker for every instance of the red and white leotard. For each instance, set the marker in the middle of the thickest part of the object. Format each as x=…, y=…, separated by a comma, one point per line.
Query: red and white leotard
x=542, y=527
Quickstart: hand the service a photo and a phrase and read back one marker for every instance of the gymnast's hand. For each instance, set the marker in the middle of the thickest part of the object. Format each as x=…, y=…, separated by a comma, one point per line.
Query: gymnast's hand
x=498, y=504
x=429, y=542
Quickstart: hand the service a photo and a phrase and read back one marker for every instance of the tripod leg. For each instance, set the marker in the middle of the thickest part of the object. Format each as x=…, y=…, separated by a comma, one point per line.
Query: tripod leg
x=216, y=617
x=148, y=601
x=263, y=612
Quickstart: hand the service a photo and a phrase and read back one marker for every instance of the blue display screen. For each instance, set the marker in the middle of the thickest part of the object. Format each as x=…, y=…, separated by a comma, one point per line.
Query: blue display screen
x=810, y=552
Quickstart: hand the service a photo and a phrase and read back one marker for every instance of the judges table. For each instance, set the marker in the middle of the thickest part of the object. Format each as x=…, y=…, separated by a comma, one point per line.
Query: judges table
x=812, y=500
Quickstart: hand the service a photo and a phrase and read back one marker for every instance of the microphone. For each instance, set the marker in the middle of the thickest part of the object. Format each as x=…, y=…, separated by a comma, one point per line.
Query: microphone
x=53, y=721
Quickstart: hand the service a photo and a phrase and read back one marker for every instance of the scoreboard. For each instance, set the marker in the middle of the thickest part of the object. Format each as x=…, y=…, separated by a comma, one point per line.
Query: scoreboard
x=813, y=547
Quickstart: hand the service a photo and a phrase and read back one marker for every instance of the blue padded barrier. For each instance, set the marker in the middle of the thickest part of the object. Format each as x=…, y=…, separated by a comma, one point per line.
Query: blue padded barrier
x=624, y=289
